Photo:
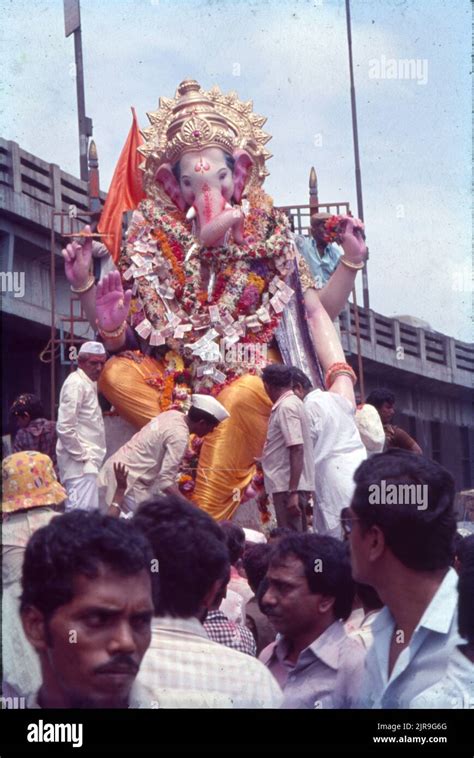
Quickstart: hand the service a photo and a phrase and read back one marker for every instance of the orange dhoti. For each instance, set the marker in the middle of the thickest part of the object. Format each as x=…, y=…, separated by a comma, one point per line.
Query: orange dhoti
x=226, y=461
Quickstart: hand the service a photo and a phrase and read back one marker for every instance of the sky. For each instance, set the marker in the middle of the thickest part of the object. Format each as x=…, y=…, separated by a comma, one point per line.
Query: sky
x=412, y=72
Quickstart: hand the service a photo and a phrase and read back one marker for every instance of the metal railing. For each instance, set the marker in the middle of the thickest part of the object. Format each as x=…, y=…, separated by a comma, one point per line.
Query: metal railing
x=432, y=349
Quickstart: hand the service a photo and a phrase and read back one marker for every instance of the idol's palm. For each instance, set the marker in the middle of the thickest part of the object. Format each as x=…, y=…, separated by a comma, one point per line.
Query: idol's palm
x=112, y=303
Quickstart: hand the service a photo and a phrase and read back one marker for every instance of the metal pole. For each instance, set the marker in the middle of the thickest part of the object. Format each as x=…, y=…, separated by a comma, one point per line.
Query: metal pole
x=360, y=364
x=81, y=106
x=53, y=317
x=360, y=206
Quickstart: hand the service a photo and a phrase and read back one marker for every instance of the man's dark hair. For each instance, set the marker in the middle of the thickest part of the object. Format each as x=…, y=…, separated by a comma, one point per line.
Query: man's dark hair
x=191, y=552
x=74, y=544
x=326, y=566
x=368, y=596
x=27, y=403
x=256, y=562
x=380, y=396
x=466, y=596
x=235, y=540
x=279, y=532
x=464, y=548
x=277, y=375
x=196, y=414
x=421, y=538
x=299, y=377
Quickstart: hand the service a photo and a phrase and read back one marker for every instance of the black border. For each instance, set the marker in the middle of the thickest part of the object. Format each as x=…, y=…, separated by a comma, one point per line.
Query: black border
x=300, y=732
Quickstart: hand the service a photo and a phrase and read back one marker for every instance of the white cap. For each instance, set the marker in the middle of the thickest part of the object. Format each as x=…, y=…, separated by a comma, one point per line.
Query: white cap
x=92, y=348
x=251, y=535
x=210, y=405
x=370, y=428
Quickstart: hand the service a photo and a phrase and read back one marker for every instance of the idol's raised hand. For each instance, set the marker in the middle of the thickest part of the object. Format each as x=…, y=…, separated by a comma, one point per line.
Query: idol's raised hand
x=353, y=240
x=77, y=259
x=112, y=303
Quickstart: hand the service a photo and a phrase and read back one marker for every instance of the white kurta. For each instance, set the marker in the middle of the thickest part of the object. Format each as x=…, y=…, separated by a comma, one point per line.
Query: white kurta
x=80, y=428
x=337, y=452
x=152, y=457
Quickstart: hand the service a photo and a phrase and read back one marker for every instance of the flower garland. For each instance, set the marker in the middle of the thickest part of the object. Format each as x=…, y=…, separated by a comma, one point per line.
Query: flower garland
x=173, y=253
x=189, y=465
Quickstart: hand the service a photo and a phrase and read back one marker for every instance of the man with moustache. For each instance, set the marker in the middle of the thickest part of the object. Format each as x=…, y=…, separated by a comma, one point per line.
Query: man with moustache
x=309, y=593
x=86, y=608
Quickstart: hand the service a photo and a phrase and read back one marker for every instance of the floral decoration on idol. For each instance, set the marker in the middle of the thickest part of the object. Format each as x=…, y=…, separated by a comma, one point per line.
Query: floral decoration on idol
x=243, y=303
x=189, y=466
x=334, y=228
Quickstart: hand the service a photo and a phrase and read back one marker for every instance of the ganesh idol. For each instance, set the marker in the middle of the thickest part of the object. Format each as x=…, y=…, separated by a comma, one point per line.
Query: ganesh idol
x=209, y=287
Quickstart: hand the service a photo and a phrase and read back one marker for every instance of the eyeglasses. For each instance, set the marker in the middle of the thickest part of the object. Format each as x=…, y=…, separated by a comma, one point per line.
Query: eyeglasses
x=347, y=520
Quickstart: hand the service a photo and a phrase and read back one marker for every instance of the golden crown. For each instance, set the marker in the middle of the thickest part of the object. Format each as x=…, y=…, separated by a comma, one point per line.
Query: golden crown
x=195, y=119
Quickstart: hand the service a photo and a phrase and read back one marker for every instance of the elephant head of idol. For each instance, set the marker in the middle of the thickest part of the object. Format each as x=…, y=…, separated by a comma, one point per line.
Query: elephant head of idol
x=204, y=151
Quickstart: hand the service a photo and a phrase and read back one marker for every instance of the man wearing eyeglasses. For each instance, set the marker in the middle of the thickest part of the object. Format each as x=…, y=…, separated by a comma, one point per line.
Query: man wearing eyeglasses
x=404, y=550
x=307, y=597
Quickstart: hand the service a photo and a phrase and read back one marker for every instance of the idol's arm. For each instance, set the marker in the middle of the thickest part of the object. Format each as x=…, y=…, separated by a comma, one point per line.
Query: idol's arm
x=327, y=343
x=335, y=293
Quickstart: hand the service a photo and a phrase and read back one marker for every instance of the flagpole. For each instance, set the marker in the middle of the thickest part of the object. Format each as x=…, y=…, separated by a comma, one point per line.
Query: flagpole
x=72, y=25
x=355, y=134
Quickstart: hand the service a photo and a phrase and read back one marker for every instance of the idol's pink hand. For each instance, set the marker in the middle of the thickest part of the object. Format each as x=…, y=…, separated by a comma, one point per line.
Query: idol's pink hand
x=353, y=240
x=77, y=259
x=112, y=303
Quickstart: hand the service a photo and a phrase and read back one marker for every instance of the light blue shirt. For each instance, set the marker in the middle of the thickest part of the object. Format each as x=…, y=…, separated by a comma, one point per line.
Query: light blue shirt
x=456, y=688
x=423, y=662
x=321, y=266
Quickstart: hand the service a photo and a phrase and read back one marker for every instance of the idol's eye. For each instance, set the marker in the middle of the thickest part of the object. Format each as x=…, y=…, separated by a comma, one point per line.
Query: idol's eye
x=223, y=174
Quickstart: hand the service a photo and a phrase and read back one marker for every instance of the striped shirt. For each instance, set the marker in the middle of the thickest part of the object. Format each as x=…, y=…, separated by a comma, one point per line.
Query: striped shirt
x=182, y=659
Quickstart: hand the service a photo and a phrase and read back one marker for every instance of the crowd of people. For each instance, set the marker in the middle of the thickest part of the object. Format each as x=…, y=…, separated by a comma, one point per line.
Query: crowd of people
x=118, y=592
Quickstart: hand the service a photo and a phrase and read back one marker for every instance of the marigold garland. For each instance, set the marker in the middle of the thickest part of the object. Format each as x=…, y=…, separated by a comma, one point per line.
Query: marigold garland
x=173, y=254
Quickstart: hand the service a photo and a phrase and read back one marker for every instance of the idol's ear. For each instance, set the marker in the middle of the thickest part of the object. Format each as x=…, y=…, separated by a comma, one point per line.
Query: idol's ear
x=167, y=179
x=242, y=167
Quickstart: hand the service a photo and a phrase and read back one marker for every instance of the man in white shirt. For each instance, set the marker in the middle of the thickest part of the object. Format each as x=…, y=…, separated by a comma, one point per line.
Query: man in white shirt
x=336, y=444
x=309, y=595
x=401, y=528
x=153, y=455
x=80, y=428
x=337, y=451
x=287, y=454
x=183, y=666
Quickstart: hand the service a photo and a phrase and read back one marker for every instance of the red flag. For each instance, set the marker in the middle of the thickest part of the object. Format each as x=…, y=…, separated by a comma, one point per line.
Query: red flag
x=125, y=192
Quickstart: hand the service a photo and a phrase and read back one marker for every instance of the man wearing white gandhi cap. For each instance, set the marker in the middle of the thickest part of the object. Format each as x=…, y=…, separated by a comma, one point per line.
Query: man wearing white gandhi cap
x=80, y=429
x=153, y=455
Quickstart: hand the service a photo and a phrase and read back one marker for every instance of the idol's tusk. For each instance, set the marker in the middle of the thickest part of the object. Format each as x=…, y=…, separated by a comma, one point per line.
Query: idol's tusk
x=191, y=213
